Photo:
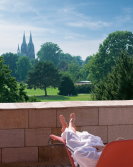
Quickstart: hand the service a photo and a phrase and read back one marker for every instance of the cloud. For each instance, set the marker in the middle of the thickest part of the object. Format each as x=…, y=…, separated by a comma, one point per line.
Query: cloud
x=128, y=10
x=77, y=19
x=124, y=18
x=89, y=24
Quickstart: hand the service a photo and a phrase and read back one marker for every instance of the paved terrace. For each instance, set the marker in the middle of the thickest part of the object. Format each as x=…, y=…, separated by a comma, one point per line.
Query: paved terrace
x=25, y=128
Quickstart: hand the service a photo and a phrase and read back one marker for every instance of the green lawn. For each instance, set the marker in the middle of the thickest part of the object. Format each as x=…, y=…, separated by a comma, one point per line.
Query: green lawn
x=40, y=92
x=53, y=95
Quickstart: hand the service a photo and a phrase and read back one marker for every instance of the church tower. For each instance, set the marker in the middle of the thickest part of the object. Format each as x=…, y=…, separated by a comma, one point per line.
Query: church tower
x=24, y=46
x=27, y=50
x=30, y=48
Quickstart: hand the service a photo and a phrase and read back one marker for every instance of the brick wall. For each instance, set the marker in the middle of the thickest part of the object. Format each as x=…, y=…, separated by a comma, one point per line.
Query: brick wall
x=25, y=128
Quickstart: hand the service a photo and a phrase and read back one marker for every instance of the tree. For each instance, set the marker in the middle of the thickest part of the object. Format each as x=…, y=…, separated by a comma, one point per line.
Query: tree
x=118, y=84
x=78, y=60
x=49, y=52
x=10, y=60
x=43, y=75
x=67, y=87
x=64, y=60
x=74, y=71
x=88, y=58
x=23, y=68
x=83, y=73
x=102, y=63
x=72, y=65
x=10, y=90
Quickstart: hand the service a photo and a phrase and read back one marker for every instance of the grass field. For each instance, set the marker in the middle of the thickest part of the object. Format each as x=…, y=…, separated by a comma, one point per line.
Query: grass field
x=40, y=92
x=53, y=95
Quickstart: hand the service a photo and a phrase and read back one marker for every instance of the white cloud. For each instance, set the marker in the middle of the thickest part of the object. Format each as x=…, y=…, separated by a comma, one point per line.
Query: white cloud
x=89, y=24
x=128, y=10
x=79, y=20
x=123, y=19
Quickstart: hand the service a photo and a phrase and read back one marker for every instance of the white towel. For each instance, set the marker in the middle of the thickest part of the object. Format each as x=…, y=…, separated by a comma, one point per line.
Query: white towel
x=81, y=143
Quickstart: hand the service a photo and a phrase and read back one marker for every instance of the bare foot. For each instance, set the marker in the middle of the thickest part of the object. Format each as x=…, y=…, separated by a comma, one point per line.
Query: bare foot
x=63, y=123
x=73, y=116
x=72, y=122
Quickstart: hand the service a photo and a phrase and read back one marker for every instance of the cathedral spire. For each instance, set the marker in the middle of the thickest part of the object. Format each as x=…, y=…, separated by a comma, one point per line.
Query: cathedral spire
x=24, y=40
x=31, y=51
x=30, y=41
x=24, y=46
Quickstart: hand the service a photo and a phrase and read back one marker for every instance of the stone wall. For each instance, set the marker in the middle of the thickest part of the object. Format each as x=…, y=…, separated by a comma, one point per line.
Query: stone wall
x=25, y=128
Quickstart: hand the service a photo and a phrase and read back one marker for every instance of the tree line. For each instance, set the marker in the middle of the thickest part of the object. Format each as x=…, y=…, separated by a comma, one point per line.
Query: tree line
x=49, y=53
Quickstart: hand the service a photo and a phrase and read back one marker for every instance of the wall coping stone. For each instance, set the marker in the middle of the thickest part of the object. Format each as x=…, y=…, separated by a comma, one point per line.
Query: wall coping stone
x=66, y=104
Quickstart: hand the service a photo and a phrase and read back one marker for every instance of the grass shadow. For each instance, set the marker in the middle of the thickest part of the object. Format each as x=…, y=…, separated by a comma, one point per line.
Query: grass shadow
x=52, y=98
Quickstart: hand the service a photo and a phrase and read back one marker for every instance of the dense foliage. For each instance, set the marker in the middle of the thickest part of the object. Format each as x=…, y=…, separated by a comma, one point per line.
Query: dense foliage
x=10, y=60
x=23, y=68
x=19, y=65
x=49, y=52
x=101, y=63
x=118, y=84
x=10, y=90
x=65, y=62
x=87, y=88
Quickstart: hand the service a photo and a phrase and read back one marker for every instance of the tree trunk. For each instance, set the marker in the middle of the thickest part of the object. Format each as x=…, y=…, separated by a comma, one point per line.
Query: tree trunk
x=45, y=89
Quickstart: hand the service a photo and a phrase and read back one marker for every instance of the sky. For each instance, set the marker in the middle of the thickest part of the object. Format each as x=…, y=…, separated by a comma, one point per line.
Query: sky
x=77, y=26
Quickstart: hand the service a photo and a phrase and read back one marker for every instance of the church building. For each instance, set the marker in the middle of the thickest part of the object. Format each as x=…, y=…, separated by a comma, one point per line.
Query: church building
x=27, y=49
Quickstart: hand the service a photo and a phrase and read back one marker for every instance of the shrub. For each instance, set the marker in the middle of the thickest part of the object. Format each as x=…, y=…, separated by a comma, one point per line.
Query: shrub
x=83, y=88
x=67, y=87
x=33, y=99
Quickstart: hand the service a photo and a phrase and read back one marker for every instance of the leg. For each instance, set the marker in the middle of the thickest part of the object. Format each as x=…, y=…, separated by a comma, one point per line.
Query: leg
x=63, y=123
x=72, y=122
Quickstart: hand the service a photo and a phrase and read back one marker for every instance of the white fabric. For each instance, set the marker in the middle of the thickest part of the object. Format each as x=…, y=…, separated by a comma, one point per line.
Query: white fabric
x=81, y=144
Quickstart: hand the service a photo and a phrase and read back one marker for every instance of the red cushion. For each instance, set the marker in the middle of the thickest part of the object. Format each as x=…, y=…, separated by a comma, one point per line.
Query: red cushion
x=117, y=154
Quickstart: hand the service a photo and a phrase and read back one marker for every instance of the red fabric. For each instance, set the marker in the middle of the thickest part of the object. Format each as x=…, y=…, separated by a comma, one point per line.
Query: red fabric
x=117, y=154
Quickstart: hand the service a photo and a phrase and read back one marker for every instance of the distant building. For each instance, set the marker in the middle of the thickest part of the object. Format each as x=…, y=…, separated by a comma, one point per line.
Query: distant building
x=27, y=49
x=83, y=83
